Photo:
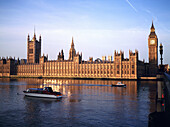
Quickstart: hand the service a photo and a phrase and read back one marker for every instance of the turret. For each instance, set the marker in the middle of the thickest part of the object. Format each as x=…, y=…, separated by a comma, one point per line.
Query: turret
x=133, y=56
x=40, y=38
x=77, y=58
x=28, y=38
x=72, y=44
x=81, y=55
x=61, y=55
x=18, y=61
x=72, y=51
x=47, y=56
x=119, y=56
x=34, y=38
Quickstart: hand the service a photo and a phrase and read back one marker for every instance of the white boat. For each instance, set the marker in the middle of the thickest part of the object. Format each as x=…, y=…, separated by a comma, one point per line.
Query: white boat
x=119, y=84
x=45, y=92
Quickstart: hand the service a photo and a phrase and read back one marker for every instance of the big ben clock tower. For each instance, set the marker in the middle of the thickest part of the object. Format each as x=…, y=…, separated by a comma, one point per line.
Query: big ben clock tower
x=153, y=51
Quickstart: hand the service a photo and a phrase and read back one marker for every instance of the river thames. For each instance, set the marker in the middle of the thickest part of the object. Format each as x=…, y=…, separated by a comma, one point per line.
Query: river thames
x=85, y=103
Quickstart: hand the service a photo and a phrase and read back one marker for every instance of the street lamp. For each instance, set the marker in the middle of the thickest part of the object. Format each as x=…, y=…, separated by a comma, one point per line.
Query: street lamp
x=161, y=52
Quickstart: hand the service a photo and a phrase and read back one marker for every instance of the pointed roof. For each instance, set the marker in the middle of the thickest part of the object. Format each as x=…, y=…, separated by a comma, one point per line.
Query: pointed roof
x=62, y=53
x=34, y=32
x=152, y=32
x=152, y=27
x=34, y=38
x=72, y=43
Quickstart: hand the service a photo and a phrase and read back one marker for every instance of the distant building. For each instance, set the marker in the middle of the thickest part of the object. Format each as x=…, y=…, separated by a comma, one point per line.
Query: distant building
x=118, y=68
x=33, y=49
x=7, y=67
x=153, y=52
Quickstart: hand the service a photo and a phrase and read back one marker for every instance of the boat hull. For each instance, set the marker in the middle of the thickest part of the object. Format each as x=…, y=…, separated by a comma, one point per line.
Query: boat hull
x=118, y=85
x=42, y=95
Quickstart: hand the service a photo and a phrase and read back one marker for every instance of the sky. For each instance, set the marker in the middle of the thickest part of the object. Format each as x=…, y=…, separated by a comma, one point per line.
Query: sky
x=99, y=27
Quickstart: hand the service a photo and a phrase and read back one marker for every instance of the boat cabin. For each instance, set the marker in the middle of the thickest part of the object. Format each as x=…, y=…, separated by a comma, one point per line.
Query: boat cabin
x=49, y=89
x=35, y=90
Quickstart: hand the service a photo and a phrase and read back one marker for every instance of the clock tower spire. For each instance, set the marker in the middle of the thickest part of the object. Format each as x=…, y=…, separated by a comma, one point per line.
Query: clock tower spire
x=153, y=51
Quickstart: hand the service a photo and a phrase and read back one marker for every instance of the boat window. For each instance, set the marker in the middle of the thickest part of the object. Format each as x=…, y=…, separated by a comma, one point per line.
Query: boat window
x=49, y=89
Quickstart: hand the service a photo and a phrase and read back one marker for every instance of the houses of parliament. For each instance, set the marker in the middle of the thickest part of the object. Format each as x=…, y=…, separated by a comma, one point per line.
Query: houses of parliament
x=75, y=67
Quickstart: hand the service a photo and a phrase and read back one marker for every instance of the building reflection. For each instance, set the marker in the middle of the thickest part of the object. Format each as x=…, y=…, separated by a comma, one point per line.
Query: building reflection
x=79, y=95
x=71, y=86
x=74, y=87
x=96, y=87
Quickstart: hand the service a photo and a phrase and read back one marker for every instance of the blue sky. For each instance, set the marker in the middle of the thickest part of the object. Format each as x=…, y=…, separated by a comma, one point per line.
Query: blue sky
x=98, y=26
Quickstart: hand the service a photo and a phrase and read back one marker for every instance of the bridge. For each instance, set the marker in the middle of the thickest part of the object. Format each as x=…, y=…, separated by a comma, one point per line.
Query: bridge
x=161, y=117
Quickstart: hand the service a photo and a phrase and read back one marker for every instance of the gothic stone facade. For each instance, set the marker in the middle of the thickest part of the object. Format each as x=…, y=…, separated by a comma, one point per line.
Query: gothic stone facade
x=33, y=49
x=75, y=67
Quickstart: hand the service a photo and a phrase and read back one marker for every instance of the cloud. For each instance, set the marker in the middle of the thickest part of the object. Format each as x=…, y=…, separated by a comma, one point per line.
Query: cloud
x=131, y=6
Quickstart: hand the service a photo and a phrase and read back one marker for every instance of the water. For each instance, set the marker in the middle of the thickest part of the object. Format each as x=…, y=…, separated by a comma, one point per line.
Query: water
x=86, y=103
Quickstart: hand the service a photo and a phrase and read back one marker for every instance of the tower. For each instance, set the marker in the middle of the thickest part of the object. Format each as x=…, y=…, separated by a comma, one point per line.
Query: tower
x=61, y=55
x=153, y=51
x=33, y=49
x=72, y=51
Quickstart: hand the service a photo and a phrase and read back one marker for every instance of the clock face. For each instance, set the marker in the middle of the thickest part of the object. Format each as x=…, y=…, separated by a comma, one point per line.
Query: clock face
x=152, y=41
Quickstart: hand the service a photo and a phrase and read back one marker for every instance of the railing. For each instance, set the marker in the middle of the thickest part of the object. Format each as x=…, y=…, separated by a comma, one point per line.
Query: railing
x=167, y=93
x=161, y=117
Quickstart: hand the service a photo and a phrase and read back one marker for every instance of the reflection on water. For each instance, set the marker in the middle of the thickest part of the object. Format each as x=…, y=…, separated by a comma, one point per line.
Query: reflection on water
x=85, y=103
